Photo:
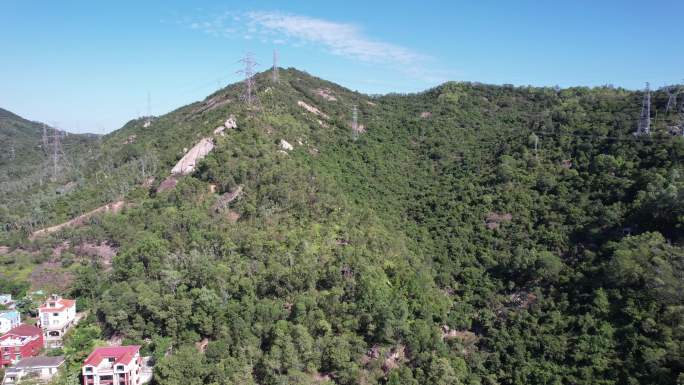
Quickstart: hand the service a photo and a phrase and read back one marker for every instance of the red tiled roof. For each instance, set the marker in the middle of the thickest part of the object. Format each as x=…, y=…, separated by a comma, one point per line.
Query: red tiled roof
x=60, y=305
x=121, y=354
x=24, y=331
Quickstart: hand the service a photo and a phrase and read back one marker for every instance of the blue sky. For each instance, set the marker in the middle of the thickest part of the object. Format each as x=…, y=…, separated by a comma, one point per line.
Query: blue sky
x=87, y=66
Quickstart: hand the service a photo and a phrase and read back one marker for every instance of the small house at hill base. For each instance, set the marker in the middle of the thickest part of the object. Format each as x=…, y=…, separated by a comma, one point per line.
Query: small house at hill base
x=55, y=317
x=20, y=342
x=9, y=319
x=41, y=368
x=113, y=365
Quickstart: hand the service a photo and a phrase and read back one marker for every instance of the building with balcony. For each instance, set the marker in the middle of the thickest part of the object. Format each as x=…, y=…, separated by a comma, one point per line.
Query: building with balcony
x=9, y=319
x=113, y=365
x=41, y=369
x=20, y=342
x=55, y=317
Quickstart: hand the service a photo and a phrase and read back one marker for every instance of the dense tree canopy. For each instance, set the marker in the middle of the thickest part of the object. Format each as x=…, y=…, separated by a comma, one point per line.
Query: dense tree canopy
x=472, y=234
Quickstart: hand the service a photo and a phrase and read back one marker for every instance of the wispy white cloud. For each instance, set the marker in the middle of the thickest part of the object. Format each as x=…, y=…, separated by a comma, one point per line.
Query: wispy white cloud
x=337, y=38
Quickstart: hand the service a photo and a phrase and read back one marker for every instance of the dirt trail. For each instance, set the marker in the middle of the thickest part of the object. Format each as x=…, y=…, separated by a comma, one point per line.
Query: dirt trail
x=80, y=220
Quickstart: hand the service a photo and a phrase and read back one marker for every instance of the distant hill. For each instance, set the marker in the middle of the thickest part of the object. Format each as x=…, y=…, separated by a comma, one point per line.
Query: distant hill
x=27, y=174
x=468, y=234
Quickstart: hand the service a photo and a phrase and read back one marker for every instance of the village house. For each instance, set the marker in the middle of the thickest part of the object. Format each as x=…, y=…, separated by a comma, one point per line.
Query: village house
x=56, y=316
x=9, y=319
x=6, y=300
x=40, y=368
x=20, y=342
x=113, y=365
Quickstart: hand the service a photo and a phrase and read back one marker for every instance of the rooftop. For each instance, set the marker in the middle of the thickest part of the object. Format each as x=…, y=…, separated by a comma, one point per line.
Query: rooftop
x=39, y=362
x=120, y=354
x=9, y=314
x=56, y=304
x=24, y=330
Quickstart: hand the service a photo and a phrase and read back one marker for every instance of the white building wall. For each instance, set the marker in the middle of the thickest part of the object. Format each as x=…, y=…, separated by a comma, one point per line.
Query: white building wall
x=5, y=325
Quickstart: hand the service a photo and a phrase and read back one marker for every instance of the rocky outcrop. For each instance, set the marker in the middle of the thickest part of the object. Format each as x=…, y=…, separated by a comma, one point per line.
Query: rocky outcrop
x=225, y=199
x=285, y=145
x=167, y=184
x=212, y=104
x=189, y=161
x=312, y=109
x=326, y=93
x=494, y=220
x=230, y=123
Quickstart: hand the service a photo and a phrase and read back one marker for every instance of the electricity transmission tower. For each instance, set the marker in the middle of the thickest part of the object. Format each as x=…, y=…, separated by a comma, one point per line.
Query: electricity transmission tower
x=148, y=118
x=275, y=66
x=672, y=93
x=681, y=101
x=248, y=72
x=45, y=139
x=681, y=118
x=355, y=122
x=644, y=127
x=57, y=152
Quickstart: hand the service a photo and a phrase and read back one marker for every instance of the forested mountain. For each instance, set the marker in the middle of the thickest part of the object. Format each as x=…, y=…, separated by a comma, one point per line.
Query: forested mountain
x=470, y=234
x=30, y=179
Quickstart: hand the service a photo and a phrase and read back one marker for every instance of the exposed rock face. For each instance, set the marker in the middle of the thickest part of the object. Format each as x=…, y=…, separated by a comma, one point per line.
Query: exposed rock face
x=522, y=299
x=327, y=94
x=494, y=220
x=230, y=123
x=202, y=345
x=285, y=145
x=212, y=104
x=104, y=251
x=167, y=184
x=312, y=109
x=396, y=357
x=147, y=183
x=189, y=161
x=225, y=199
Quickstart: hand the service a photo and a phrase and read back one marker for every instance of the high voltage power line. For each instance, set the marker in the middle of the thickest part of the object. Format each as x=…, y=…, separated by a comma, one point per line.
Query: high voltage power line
x=275, y=73
x=248, y=72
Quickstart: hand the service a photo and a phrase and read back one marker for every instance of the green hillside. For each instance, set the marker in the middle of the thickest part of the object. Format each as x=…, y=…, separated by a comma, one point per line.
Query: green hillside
x=29, y=181
x=468, y=234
